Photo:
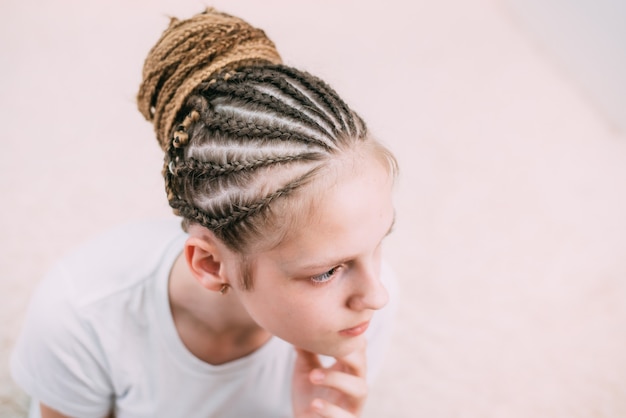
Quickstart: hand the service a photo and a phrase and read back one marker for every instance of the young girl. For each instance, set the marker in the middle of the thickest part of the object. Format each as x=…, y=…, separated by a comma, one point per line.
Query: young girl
x=263, y=306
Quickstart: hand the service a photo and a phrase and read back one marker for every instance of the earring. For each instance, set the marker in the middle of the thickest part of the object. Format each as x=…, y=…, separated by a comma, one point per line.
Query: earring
x=224, y=288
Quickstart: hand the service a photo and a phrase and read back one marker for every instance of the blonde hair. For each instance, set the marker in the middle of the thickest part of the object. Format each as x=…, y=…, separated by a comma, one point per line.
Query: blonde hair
x=240, y=130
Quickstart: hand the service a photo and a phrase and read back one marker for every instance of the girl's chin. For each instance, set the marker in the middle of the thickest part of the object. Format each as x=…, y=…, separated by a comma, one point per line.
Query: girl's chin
x=336, y=349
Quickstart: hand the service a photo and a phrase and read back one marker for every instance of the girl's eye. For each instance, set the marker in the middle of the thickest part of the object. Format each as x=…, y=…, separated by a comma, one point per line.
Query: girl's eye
x=325, y=277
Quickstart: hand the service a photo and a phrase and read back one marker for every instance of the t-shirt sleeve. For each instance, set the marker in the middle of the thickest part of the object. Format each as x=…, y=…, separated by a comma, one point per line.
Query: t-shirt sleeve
x=381, y=327
x=57, y=359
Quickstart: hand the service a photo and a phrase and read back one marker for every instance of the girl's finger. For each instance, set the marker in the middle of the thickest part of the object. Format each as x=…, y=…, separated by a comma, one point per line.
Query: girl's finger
x=353, y=386
x=328, y=410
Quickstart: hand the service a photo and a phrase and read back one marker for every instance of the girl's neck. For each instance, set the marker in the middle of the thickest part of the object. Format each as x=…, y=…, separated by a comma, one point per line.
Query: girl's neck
x=214, y=327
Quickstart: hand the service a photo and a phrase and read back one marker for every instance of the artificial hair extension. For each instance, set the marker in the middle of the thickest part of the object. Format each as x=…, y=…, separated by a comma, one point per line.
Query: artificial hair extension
x=190, y=52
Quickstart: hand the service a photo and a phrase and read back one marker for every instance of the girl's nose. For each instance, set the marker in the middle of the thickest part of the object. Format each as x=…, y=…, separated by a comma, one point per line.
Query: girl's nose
x=369, y=292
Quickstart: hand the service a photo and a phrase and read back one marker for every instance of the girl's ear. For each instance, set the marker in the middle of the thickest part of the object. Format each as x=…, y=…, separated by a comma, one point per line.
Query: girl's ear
x=205, y=260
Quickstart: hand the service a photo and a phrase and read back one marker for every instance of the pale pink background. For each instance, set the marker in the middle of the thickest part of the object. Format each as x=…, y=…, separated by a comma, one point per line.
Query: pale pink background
x=511, y=235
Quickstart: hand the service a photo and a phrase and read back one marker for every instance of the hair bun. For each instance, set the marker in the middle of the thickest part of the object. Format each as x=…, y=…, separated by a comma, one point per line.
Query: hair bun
x=192, y=51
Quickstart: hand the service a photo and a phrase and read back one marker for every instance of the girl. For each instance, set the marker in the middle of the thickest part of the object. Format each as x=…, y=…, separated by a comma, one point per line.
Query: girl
x=263, y=306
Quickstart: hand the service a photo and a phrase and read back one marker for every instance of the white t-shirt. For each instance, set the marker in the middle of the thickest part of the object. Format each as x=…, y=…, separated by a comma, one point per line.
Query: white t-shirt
x=99, y=336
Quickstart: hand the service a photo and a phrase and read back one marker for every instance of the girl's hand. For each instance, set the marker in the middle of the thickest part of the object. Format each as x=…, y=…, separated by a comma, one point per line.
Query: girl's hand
x=338, y=391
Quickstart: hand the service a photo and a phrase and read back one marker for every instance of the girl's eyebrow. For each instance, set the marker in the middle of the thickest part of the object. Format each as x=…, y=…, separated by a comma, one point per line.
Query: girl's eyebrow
x=328, y=263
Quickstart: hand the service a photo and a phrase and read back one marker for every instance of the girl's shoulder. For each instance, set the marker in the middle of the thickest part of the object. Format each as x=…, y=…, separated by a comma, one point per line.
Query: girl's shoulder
x=137, y=235
x=120, y=258
x=87, y=315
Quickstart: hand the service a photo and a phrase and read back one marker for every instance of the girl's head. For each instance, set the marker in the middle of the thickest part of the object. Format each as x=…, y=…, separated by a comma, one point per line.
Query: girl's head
x=250, y=144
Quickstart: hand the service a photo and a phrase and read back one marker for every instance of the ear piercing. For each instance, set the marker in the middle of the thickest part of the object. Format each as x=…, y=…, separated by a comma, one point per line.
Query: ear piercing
x=224, y=288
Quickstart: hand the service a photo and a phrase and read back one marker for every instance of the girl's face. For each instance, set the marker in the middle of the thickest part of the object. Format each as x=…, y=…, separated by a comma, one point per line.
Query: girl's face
x=320, y=287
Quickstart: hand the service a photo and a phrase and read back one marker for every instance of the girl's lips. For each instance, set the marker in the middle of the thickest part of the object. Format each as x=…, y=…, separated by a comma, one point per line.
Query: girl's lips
x=355, y=331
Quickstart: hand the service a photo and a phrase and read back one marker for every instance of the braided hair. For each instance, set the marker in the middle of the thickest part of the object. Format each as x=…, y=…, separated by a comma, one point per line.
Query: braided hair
x=243, y=134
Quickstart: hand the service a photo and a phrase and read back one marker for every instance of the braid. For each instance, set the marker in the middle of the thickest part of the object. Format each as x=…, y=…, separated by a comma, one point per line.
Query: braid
x=237, y=212
x=189, y=52
x=242, y=133
x=251, y=129
x=274, y=79
x=325, y=94
x=209, y=169
x=238, y=91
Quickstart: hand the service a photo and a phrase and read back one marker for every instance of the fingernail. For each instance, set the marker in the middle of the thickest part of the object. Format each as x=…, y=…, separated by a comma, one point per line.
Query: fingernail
x=317, y=404
x=317, y=375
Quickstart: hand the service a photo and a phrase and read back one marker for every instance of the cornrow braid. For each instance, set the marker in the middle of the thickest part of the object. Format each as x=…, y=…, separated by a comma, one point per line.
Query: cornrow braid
x=244, y=136
x=265, y=99
x=329, y=97
x=278, y=81
x=251, y=129
x=196, y=168
x=239, y=211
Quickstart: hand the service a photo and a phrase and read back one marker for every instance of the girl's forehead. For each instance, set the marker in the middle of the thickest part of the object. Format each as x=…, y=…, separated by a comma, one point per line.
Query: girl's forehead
x=347, y=218
x=342, y=187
